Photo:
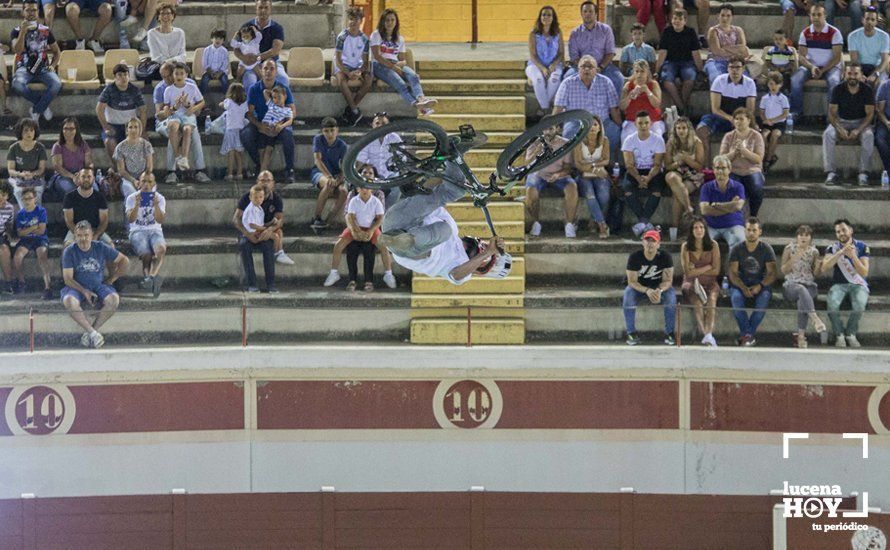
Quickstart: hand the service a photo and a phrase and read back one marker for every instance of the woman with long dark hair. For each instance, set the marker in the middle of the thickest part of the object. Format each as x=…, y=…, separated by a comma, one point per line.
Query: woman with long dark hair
x=70, y=155
x=388, y=50
x=700, y=258
x=546, y=50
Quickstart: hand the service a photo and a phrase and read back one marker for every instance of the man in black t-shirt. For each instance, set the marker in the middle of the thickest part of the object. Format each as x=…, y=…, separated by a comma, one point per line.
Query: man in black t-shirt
x=273, y=216
x=851, y=112
x=85, y=203
x=752, y=271
x=678, y=57
x=650, y=274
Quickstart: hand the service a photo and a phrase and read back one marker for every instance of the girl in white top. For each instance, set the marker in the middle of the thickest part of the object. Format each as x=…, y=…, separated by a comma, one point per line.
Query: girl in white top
x=166, y=42
x=247, y=41
x=235, y=105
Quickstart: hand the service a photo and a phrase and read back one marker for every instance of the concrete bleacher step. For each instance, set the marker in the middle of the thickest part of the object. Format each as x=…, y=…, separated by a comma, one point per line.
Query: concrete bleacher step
x=461, y=301
x=500, y=211
x=480, y=105
x=501, y=331
x=475, y=86
x=484, y=123
x=512, y=284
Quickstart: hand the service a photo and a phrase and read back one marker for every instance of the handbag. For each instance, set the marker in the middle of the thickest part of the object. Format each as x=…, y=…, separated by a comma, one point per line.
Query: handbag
x=148, y=69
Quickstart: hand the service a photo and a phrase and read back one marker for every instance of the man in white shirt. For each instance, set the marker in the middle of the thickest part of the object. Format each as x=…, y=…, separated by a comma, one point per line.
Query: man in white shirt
x=378, y=155
x=643, y=156
x=146, y=210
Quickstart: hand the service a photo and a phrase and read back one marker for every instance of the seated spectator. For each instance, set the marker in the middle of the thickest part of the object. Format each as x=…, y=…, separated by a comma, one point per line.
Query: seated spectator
x=133, y=156
x=166, y=42
x=146, y=210
x=246, y=42
x=278, y=117
x=591, y=158
x=215, y=60
x=36, y=59
x=637, y=50
x=727, y=42
x=557, y=175
x=722, y=200
x=235, y=105
x=119, y=102
x=650, y=274
x=30, y=226
x=595, y=39
x=819, y=54
x=641, y=93
x=4, y=106
x=257, y=236
x=378, y=155
x=147, y=8
x=257, y=106
x=752, y=271
x=728, y=93
x=801, y=264
x=744, y=148
x=644, y=159
x=780, y=57
x=162, y=120
x=882, y=127
x=86, y=204
x=852, y=7
x=389, y=64
x=700, y=260
x=546, y=51
x=351, y=64
x=73, y=10
x=590, y=91
x=26, y=161
x=70, y=155
x=83, y=268
x=647, y=9
x=851, y=112
x=774, y=112
x=870, y=47
x=7, y=222
x=684, y=160
x=272, y=41
x=848, y=259
x=182, y=103
x=702, y=13
x=327, y=174
x=273, y=220
x=363, y=218
x=679, y=58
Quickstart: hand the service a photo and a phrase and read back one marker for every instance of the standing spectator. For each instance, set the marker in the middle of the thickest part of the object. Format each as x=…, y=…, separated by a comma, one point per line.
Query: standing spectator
x=70, y=155
x=215, y=60
x=852, y=7
x=86, y=203
x=637, y=50
x=146, y=210
x=119, y=102
x=363, y=218
x=774, y=112
x=30, y=224
x=102, y=8
x=148, y=8
x=727, y=42
x=596, y=40
x=851, y=112
x=256, y=110
x=378, y=155
x=641, y=93
x=591, y=158
x=849, y=260
x=272, y=41
x=650, y=274
x=390, y=65
x=647, y=9
x=133, y=156
x=83, y=268
x=546, y=51
x=182, y=103
x=256, y=235
x=744, y=148
x=557, y=175
x=819, y=55
x=26, y=161
x=592, y=92
x=7, y=221
x=273, y=216
x=752, y=271
x=882, y=132
x=36, y=59
x=722, y=200
x=683, y=162
x=780, y=57
x=327, y=174
x=728, y=93
x=700, y=259
x=351, y=63
x=678, y=58
x=644, y=159
x=235, y=105
x=278, y=117
x=801, y=264
x=870, y=47
x=247, y=42
x=166, y=42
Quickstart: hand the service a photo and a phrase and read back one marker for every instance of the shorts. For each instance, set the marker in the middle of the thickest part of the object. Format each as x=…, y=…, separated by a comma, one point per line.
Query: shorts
x=315, y=175
x=89, y=4
x=536, y=181
x=685, y=70
x=69, y=238
x=185, y=120
x=716, y=124
x=104, y=291
x=120, y=132
x=33, y=242
x=347, y=235
x=780, y=126
x=145, y=243
x=689, y=5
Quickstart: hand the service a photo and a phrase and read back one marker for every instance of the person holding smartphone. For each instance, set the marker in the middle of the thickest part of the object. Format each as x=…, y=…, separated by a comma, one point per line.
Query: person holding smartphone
x=146, y=210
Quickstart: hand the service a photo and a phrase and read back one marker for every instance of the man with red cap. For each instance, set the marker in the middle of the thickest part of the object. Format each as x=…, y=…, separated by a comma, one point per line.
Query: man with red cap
x=650, y=274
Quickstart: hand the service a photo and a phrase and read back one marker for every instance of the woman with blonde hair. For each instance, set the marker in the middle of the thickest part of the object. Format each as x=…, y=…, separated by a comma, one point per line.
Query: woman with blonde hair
x=641, y=92
x=683, y=161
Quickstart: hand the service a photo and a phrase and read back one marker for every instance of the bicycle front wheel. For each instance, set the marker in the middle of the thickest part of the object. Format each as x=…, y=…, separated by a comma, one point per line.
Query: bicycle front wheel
x=536, y=148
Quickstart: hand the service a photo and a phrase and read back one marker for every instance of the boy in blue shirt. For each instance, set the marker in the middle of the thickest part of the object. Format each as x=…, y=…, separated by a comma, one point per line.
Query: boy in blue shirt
x=636, y=50
x=327, y=174
x=30, y=224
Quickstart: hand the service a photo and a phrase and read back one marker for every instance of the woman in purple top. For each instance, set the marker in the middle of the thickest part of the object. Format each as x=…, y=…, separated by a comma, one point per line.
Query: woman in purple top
x=70, y=155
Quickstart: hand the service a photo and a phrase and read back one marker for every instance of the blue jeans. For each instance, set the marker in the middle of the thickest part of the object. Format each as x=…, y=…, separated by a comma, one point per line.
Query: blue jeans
x=597, y=192
x=748, y=325
x=634, y=194
x=632, y=298
x=40, y=100
x=204, y=85
x=882, y=140
x=684, y=70
x=753, y=190
x=268, y=249
x=854, y=10
x=732, y=235
x=798, y=79
x=408, y=87
x=714, y=68
x=858, y=300
x=612, y=130
x=250, y=78
x=250, y=138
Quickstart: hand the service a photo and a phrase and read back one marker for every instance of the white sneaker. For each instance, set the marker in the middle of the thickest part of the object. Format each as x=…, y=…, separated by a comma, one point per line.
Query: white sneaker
x=333, y=277
x=171, y=178
x=831, y=178
x=840, y=342
x=709, y=340
x=129, y=21
x=535, y=231
x=852, y=341
x=33, y=116
x=389, y=279
x=47, y=114
x=282, y=258
x=96, y=47
x=182, y=163
x=571, y=233
x=140, y=36
x=85, y=340
x=97, y=340
x=80, y=44
x=863, y=179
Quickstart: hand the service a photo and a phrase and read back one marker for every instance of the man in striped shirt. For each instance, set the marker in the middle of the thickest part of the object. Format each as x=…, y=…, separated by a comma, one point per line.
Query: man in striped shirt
x=820, y=53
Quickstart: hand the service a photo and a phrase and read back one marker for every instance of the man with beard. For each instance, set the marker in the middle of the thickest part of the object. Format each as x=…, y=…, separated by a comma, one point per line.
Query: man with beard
x=849, y=260
x=850, y=115
x=752, y=269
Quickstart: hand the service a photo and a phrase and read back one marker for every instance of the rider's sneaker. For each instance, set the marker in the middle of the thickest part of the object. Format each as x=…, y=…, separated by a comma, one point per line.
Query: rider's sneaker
x=571, y=233
x=535, y=231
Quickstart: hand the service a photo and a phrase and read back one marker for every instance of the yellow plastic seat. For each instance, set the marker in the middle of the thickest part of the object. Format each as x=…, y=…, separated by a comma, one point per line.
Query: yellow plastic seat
x=305, y=67
x=84, y=62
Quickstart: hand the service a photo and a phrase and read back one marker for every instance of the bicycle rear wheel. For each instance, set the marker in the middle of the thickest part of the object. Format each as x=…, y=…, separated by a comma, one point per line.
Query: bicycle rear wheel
x=530, y=151
x=421, y=148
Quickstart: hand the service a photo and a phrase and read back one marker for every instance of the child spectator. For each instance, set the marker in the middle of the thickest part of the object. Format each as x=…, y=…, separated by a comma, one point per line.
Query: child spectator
x=7, y=222
x=546, y=51
x=278, y=117
x=216, y=62
x=26, y=161
x=637, y=50
x=182, y=102
x=119, y=101
x=774, y=111
x=351, y=63
x=30, y=224
x=363, y=218
x=678, y=58
x=683, y=161
x=254, y=236
x=133, y=156
x=247, y=42
x=700, y=259
x=327, y=174
x=235, y=105
x=591, y=157
x=146, y=211
x=780, y=57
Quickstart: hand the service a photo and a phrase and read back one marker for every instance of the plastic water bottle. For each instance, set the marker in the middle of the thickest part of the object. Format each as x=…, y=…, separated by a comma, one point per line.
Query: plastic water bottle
x=616, y=171
x=789, y=125
x=207, y=123
x=885, y=181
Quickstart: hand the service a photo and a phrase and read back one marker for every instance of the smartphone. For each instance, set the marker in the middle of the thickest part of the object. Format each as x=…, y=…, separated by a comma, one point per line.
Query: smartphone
x=146, y=198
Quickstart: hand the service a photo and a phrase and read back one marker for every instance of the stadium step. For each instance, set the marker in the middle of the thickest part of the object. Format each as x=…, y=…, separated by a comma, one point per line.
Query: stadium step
x=511, y=284
x=478, y=331
x=484, y=123
x=507, y=211
x=447, y=86
x=468, y=105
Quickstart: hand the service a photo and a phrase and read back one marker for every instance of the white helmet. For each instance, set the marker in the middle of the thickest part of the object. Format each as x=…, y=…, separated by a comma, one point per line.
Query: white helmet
x=497, y=267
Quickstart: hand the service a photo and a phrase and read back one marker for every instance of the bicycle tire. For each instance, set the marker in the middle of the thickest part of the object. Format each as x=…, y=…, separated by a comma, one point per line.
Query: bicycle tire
x=517, y=147
x=353, y=177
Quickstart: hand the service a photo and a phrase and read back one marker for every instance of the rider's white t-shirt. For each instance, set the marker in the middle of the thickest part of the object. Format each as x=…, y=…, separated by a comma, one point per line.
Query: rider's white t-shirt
x=444, y=257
